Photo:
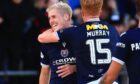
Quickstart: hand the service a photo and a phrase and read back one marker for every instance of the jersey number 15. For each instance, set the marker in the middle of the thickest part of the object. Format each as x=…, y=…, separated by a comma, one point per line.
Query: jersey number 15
x=96, y=45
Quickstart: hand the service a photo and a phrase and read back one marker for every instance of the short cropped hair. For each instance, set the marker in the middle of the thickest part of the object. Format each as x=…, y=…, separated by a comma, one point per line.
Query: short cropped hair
x=64, y=7
x=91, y=7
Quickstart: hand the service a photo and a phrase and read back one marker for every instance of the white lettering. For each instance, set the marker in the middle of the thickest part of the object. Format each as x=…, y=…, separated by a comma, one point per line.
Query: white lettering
x=119, y=44
x=97, y=33
x=64, y=61
x=135, y=46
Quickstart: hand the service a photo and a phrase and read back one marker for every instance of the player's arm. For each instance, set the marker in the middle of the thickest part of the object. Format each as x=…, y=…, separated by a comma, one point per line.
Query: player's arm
x=66, y=70
x=44, y=75
x=48, y=36
x=117, y=62
x=111, y=75
x=45, y=69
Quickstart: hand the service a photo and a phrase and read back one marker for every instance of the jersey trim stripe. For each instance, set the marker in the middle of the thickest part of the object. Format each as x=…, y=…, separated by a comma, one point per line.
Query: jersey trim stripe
x=117, y=60
x=43, y=65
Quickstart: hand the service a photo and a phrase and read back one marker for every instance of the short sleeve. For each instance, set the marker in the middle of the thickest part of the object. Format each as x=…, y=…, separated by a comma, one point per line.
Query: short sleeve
x=114, y=39
x=121, y=49
x=44, y=59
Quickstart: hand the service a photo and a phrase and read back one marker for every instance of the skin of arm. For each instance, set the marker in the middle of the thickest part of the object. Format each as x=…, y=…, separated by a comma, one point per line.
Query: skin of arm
x=44, y=75
x=48, y=36
x=66, y=70
x=111, y=75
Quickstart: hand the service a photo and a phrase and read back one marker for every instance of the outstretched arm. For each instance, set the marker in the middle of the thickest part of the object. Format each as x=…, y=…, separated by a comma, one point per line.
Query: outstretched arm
x=111, y=75
x=48, y=36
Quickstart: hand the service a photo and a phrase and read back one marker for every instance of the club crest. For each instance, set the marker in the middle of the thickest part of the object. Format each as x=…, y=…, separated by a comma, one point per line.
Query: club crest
x=64, y=52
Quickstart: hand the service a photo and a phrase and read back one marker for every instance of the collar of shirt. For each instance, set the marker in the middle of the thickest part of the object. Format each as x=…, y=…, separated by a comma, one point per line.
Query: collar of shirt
x=94, y=19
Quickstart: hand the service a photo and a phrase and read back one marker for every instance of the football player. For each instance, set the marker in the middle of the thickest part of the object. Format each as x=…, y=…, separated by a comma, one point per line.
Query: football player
x=93, y=42
x=128, y=52
x=57, y=57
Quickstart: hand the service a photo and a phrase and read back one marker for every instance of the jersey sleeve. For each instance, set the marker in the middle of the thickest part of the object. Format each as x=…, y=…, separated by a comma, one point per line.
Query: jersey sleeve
x=44, y=59
x=114, y=39
x=121, y=49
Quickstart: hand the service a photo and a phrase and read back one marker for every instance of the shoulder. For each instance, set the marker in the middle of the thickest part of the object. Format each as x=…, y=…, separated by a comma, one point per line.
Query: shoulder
x=67, y=30
x=70, y=28
x=131, y=34
x=109, y=26
x=124, y=37
x=128, y=33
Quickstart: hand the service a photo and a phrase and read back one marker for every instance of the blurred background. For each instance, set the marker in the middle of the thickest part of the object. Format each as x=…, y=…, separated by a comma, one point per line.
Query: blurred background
x=21, y=21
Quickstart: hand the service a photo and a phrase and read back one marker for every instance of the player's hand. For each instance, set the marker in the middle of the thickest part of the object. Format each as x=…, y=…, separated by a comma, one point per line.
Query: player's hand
x=66, y=70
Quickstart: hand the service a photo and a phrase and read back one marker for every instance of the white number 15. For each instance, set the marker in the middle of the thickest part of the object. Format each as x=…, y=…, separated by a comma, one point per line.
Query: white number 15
x=96, y=45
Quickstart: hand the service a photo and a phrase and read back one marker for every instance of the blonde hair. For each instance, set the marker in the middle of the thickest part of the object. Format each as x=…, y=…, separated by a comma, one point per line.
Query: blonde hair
x=91, y=7
x=61, y=6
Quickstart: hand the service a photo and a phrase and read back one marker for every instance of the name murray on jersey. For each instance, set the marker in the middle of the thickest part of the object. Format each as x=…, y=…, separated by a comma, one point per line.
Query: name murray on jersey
x=103, y=30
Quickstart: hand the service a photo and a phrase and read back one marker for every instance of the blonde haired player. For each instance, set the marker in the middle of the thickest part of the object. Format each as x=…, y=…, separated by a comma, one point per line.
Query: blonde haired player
x=57, y=57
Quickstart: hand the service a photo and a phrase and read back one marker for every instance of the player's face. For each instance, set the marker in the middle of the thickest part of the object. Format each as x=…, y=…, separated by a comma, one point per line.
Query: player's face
x=56, y=19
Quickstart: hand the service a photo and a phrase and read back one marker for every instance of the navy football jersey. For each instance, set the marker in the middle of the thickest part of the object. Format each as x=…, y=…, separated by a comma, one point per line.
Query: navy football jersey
x=57, y=54
x=128, y=52
x=93, y=44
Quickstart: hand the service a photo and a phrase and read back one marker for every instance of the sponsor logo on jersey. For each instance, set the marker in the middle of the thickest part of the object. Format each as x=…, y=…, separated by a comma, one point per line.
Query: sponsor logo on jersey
x=94, y=27
x=119, y=44
x=69, y=60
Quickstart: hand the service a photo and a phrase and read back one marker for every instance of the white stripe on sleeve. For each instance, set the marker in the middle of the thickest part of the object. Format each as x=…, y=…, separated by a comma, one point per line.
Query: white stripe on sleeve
x=118, y=60
x=43, y=65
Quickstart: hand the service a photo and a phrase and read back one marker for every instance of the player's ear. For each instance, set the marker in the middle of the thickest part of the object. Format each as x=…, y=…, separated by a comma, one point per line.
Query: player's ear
x=82, y=13
x=66, y=17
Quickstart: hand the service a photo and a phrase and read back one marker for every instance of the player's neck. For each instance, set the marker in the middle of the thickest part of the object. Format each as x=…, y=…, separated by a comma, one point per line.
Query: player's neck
x=68, y=24
x=91, y=18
